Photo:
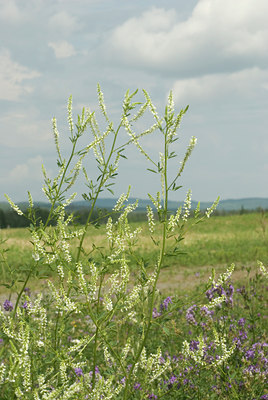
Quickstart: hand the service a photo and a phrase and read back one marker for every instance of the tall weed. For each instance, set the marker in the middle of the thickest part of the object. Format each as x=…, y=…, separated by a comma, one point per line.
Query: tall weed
x=98, y=333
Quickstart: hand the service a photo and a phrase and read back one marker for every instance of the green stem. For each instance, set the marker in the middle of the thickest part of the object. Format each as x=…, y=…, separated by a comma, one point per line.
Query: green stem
x=4, y=262
x=97, y=193
x=47, y=221
x=95, y=357
x=60, y=185
x=159, y=264
x=22, y=290
x=96, y=335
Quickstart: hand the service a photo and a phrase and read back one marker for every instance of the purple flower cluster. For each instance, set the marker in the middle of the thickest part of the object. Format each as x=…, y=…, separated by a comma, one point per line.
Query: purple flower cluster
x=152, y=396
x=26, y=305
x=166, y=302
x=78, y=372
x=163, y=307
x=190, y=315
x=137, y=386
x=8, y=306
x=217, y=291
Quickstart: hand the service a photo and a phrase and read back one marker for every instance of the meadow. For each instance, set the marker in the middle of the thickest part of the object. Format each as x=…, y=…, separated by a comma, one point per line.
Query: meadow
x=215, y=243
x=172, y=308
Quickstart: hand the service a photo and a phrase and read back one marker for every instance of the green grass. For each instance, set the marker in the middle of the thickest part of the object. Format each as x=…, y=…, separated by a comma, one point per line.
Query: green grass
x=216, y=242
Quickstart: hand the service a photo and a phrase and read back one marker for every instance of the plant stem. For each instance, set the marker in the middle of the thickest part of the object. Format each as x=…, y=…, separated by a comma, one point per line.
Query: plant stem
x=97, y=193
x=159, y=265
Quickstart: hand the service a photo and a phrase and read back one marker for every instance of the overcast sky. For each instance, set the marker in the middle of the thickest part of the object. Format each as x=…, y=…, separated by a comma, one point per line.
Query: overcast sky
x=213, y=54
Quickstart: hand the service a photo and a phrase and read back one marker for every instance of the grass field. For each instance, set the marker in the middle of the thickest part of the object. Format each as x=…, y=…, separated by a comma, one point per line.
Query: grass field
x=180, y=318
x=217, y=242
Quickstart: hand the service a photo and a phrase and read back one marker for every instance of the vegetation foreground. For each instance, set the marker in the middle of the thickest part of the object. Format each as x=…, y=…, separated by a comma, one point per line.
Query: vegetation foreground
x=91, y=314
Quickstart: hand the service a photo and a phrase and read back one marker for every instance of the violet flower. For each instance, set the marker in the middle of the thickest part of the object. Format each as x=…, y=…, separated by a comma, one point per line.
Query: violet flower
x=190, y=315
x=156, y=313
x=8, y=306
x=165, y=303
x=137, y=386
x=78, y=372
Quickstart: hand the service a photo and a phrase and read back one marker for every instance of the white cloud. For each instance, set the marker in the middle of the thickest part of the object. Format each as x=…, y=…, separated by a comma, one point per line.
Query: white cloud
x=9, y=11
x=62, y=49
x=63, y=23
x=25, y=130
x=246, y=83
x=142, y=39
x=218, y=32
x=30, y=170
x=12, y=75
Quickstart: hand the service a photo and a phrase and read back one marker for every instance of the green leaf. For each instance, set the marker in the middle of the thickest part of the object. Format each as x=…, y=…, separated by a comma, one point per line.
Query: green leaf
x=166, y=330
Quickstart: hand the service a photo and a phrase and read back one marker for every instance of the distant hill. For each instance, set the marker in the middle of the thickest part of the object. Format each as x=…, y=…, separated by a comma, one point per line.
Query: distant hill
x=107, y=203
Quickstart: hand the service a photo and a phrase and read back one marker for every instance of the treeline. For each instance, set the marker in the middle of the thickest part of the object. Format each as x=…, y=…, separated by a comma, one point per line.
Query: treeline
x=10, y=219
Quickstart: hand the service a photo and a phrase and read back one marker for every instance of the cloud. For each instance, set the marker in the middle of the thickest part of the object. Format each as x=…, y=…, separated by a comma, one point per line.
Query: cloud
x=12, y=75
x=63, y=23
x=219, y=33
x=30, y=170
x=26, y=130
x=246, y=83
x=9, y=11
x=62, y=49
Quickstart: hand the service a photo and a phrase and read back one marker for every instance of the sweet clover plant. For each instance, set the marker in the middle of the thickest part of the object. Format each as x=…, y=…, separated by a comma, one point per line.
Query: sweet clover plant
x=100, y=330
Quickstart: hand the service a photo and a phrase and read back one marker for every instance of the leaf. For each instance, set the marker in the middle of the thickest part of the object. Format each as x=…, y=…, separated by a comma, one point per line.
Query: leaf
x=166, y=330
x=151, y=170
x=172, y=154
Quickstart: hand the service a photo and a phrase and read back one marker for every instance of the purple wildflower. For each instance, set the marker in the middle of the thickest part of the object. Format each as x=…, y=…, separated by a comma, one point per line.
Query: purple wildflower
x=241, y=322
x=171, y=381
x=137, y=386
x=229, y=295
x=156, y=313
x=97, y=370
x=8, y=306
x=78, y=372
x=204, y=310
x=190, y=315
x=26, y=305
x=27, y=291
x=165, y=303
x=194, y=345
x=152, y=396
x=250, y=354
x=220, y=291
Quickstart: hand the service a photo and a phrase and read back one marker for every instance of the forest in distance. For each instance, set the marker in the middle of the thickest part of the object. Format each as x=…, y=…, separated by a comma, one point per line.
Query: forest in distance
x=10, y=219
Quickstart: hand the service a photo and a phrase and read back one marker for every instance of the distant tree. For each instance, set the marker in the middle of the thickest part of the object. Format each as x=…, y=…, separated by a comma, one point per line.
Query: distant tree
x=3, y=223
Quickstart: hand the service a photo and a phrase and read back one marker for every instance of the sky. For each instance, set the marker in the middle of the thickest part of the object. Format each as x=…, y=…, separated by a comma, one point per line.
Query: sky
x=212, y=54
